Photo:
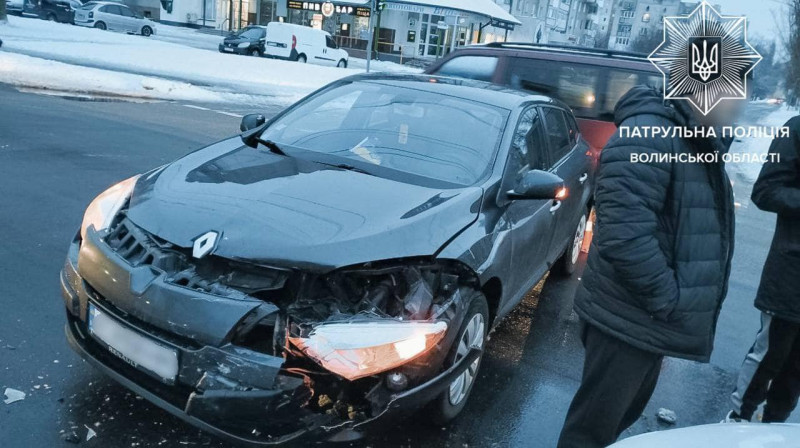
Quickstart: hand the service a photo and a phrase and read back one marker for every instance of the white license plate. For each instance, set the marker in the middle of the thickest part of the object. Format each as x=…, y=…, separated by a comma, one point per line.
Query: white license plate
x=139, y=351
x=230, y=50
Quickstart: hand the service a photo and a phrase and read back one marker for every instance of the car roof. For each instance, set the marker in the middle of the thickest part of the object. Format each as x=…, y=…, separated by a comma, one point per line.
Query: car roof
x=594, y=56
x=469, y=89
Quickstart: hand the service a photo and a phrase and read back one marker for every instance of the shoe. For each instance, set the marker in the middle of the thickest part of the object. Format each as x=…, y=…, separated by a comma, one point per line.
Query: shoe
x=733, y=417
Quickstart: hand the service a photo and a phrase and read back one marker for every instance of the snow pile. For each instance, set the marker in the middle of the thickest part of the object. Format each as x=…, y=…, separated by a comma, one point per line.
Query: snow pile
x=26, y=71
x=282, y=80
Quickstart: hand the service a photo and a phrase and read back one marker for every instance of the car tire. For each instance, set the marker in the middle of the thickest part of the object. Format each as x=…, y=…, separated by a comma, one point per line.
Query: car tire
x=51, y=17
x=301, y=58
x=568, y=261
x=473, y=330
x=255, y=52
x=100, y=26
x=147, y=31
x=342, y=64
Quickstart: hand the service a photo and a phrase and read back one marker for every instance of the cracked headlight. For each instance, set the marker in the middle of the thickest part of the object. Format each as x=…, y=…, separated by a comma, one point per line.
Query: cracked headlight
x=358, y=349
x=105, y=207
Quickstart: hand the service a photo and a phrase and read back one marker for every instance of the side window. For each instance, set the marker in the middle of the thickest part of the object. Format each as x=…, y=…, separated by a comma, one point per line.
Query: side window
x=480, y=68
x=330, y=42
x=574, y=84
x=527, y=145
x=574, y=131
x=557, y=133
x=111, y=9
x=126, y=12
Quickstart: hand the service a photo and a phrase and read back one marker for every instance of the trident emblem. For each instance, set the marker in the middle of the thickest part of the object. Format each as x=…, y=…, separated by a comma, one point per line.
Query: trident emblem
x=705, y=58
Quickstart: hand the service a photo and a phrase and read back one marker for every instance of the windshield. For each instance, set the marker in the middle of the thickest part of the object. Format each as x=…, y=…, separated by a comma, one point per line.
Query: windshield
x=425, y=134
x=251, y=33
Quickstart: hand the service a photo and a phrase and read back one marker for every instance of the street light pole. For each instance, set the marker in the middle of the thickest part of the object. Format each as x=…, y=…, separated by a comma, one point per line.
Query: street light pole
x=372, y=8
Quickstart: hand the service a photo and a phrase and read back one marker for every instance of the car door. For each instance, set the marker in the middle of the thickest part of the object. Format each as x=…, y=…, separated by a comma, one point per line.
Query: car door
x=572, y=163
x=111, y=16
x=128, y=19
x=532, y=222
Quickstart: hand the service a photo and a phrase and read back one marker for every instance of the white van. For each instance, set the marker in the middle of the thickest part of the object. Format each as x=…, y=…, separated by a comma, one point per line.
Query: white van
x=303, y=44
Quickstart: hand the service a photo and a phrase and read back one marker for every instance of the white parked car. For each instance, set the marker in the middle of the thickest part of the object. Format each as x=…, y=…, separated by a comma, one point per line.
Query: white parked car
x=113, y=16
x=303, y=44
x=720, y=435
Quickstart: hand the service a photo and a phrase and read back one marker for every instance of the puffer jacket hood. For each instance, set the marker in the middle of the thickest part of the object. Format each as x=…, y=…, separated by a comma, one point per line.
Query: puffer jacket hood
x=643, y=100
x=659, y=261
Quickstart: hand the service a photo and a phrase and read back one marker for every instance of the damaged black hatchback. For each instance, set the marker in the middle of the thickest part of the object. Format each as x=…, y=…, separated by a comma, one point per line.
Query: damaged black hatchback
x=342, y=261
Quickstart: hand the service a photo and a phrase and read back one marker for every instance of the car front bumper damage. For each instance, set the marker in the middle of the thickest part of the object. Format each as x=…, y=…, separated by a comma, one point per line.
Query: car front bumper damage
x=233, y=391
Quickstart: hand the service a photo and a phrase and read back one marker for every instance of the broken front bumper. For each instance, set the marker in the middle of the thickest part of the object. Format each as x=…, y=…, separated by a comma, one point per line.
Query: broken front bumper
x=230, y=391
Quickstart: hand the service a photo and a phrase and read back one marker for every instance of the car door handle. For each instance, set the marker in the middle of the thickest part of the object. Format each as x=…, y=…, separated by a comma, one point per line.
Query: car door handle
x=583, y=178
x=555, y=206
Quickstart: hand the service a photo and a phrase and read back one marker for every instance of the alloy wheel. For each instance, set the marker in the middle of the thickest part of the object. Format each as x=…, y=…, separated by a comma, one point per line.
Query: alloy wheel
x=473, y=336
x=577, y=242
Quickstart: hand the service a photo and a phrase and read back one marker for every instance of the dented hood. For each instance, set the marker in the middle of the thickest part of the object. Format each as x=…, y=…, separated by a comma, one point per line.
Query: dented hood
x=295, y=213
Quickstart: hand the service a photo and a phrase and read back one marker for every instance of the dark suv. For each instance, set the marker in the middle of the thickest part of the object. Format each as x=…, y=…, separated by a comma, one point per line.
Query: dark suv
x=339, y=264
x=590, y=81
x=53, y=10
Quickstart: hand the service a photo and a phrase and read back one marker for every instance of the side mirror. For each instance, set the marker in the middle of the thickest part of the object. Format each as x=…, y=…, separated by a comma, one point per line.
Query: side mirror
x=538, y=184
x=252, y=121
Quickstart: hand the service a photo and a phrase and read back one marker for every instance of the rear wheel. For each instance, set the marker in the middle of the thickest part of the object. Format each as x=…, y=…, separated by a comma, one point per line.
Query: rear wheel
x=471, y=334
x=569, y=261
x=100, y=25
x=147, y=31
x=302, y=59
x=51, y=17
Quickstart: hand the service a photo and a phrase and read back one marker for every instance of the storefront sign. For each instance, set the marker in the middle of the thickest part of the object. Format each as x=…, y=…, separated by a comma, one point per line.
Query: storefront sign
x=433, y=10
x=328, y=8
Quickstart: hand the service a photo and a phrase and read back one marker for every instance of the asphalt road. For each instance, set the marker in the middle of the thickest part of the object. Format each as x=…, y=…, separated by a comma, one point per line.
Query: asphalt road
x=56, y=154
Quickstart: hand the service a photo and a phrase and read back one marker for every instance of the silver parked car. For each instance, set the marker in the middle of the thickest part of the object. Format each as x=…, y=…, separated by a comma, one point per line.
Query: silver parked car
x=113, y=16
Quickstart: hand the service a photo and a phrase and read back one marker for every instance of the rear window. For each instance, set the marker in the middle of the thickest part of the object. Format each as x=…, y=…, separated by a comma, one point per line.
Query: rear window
x=591, y=91
x=472, y=67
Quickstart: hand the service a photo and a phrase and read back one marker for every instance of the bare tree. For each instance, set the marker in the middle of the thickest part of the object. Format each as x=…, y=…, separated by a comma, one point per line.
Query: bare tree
x=792, y=43
x=3, y=18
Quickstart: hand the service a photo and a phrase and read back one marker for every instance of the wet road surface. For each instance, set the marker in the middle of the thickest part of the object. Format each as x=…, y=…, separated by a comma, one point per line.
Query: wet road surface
x=56, y=154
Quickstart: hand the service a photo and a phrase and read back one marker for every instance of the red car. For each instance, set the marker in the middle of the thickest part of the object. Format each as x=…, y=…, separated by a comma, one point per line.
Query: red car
x=590, y=81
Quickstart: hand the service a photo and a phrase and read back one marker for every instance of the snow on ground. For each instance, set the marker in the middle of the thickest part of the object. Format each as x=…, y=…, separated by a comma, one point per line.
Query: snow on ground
x=170, y=57
x=30, y=72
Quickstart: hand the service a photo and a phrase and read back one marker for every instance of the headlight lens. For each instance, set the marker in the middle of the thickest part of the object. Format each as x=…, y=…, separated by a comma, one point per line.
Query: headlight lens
x=358, y=349
x=103, y=208
x=244, y=44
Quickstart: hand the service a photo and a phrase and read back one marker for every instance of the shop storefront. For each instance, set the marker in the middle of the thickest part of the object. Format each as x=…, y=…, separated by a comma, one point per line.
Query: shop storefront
x=408, y=29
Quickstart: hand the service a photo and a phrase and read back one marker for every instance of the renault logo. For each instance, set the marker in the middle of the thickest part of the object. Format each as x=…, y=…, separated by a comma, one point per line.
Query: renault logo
x=204, y=244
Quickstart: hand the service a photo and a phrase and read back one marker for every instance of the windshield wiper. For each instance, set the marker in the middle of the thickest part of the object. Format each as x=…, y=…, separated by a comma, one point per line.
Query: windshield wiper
x=272, y=146
x=346, y=167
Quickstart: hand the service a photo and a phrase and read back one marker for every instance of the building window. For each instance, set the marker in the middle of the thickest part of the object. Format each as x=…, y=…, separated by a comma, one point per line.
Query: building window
x=623, y=40
x=627, y=14
x=646, y=17
x=643, y=31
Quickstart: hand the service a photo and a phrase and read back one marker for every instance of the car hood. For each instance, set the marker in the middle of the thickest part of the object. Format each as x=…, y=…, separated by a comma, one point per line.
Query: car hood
x=293, y=213
x=236, y=40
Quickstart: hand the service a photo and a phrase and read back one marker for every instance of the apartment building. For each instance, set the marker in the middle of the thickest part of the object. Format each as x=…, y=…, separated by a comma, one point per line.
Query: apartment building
x=638, y=25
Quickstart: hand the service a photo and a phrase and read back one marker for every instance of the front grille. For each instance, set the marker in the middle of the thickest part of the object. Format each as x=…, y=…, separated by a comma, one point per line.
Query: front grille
x=211, y=274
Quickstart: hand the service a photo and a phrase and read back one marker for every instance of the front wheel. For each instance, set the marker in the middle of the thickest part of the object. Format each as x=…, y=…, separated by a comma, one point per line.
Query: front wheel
x=342, y=64
x=569, y=261
x=302, y=59
x=472, y=333
x=51, y=17
x=100, y=26
x=255, y=52
x=147, y=31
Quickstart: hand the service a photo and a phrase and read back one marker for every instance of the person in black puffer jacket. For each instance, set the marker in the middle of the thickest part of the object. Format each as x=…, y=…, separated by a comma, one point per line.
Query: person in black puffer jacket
x=658, y=265
x=771, y=370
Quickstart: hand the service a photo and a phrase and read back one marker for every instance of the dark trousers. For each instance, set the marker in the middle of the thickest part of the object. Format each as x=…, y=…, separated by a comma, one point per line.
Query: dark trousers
x=618, y=380
x=770, y=372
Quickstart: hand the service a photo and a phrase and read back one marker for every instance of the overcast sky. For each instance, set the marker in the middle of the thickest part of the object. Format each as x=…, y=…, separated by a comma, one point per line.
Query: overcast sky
x=759, y=13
